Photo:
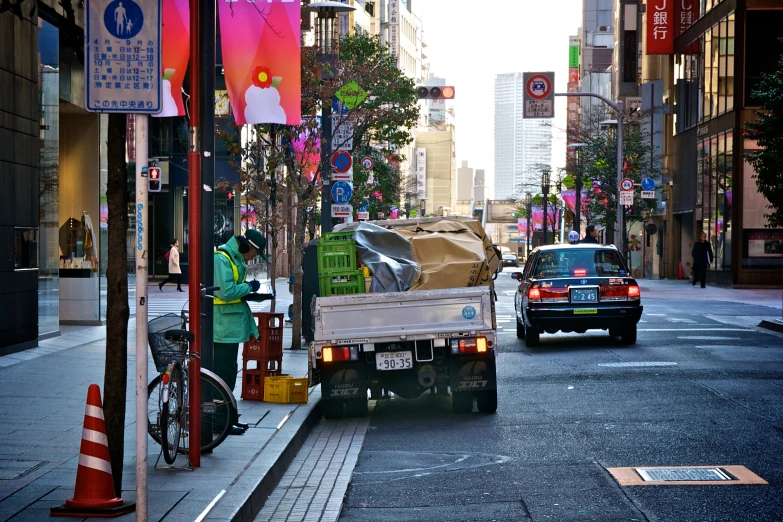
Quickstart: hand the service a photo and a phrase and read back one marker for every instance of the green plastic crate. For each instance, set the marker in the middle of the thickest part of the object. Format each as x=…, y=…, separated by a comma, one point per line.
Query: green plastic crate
x=342, y=283
x=345, y=235
x=336, y=255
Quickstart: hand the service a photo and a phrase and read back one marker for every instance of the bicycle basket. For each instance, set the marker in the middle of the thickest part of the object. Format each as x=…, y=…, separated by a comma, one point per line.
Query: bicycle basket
x=163, y=351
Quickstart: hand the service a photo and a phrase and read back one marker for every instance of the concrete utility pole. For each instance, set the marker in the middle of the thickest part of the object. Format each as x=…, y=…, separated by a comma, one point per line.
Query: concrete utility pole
x=617, y=106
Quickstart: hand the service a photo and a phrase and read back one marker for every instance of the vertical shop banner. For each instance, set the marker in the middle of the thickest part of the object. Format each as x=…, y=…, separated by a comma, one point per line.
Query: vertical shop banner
x=261, y=60
x=687, y=13
x=421, y=173
x=394, y=27
x=174, y=56
x=660, y=26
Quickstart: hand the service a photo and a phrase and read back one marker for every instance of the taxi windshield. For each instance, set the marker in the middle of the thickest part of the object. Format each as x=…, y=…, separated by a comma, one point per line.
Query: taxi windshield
x=579, y=263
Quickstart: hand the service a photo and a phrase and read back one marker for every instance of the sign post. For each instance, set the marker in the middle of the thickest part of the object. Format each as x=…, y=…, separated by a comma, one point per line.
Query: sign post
x=122, y=75
x=539, y=96
x=626, y=191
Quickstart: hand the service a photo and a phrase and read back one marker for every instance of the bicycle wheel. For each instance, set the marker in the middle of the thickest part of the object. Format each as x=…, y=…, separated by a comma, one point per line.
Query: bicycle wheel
x=171, y=415
x=218, y=410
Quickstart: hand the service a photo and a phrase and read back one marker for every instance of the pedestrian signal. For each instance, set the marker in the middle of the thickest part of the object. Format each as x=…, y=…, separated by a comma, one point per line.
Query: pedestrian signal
x=154, y=177
x=434, y=93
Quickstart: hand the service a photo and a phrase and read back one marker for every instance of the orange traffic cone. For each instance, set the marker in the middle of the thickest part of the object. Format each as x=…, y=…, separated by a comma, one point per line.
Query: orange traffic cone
x=680, y=274
x=94, y=493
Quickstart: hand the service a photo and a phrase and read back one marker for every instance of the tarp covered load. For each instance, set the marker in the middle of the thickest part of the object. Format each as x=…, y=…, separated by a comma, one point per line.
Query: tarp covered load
x=436, y=253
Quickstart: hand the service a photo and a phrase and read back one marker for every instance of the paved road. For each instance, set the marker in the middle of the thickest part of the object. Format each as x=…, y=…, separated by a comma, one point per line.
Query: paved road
x=701, y=387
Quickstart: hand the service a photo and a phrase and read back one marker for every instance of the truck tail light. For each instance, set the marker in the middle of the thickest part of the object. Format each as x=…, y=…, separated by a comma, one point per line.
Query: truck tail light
x=469, y=345
x=340, y=353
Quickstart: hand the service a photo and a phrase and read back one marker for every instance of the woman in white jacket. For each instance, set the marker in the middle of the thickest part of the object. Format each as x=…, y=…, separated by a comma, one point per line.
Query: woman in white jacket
x=175, y=273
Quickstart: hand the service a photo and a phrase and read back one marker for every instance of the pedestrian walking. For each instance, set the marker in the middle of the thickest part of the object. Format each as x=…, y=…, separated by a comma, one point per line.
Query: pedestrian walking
x=702, y=257
x=233, y=321
x=591, y=235
x=175, y=272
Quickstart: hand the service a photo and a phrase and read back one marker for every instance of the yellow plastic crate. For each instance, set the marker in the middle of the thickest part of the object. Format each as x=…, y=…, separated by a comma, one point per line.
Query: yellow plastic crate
x=285, y=389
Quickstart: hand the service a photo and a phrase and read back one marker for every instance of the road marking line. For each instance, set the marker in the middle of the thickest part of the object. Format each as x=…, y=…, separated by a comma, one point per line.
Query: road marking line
x=694, y=330
x=210, y=506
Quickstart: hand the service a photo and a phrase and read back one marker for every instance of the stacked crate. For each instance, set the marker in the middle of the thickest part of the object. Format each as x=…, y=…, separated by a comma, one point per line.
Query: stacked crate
x=337, y=269
x=262, y=357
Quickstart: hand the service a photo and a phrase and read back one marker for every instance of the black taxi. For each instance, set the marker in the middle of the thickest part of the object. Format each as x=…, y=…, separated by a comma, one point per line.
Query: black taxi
x=575, y=288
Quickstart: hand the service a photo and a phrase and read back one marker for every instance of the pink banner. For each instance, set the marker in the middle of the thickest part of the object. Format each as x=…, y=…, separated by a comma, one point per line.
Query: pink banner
x=261, y=60
x=174, y=56
x=307, y=150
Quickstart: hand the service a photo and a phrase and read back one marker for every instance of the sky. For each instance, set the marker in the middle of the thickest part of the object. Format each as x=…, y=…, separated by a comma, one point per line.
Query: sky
x=469, y=42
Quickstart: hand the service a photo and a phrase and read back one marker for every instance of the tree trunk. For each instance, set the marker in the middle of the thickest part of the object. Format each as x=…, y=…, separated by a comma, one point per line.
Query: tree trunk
x=300, y=225
x=117, y=310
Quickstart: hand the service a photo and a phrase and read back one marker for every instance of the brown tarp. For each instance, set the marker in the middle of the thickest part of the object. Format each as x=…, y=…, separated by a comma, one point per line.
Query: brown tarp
x=452, y=253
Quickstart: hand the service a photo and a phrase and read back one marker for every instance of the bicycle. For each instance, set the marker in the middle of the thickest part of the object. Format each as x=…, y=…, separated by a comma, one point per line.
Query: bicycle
x=168, y=406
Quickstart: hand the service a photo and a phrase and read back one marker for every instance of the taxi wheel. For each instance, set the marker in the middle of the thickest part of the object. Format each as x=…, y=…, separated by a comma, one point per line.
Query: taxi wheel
x=520, y=330
x=532, y=337
x=629, y=335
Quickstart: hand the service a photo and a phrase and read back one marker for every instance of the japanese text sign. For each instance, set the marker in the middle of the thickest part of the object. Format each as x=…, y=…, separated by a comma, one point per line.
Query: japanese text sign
x=660, y=26
x=122, y=56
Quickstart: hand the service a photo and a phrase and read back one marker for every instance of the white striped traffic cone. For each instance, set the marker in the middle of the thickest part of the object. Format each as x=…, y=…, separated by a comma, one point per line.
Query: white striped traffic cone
x=94, y=493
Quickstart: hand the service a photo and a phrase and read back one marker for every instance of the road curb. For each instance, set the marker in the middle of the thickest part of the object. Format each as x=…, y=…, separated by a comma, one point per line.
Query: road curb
x=249, y=491
x=775, y=326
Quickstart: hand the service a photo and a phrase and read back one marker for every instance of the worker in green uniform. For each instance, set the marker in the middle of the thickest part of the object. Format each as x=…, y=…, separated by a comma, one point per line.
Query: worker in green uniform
x=233, y=320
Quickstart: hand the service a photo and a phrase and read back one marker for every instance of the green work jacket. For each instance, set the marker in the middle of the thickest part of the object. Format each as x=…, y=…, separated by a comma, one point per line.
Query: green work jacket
x=233, y=322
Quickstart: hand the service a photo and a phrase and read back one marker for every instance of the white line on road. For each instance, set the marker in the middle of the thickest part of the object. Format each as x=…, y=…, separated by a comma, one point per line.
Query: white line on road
x=694, y=330
x=707, y=338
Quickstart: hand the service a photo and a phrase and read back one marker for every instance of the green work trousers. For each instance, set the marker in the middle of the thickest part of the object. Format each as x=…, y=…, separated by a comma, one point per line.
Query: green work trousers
x=225, y=362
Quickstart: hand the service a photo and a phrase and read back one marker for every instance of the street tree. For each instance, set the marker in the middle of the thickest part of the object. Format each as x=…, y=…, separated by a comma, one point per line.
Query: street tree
x=117, y=309
x=767, y=130
x=287, y=159
x=598, y=170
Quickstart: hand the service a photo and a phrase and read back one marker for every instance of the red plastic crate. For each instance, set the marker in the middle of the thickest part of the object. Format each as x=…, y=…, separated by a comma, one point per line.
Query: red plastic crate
x=262, y=349
x=267, y=364
x=253, y=383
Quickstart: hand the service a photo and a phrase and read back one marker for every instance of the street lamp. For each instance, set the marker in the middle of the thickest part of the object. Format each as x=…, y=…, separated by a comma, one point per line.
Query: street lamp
x=578, y=186
x=545, y=191
x=328, y=38
x=528, y=210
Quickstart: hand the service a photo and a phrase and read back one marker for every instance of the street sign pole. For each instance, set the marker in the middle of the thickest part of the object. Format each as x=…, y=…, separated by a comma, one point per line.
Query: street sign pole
x=142, y=271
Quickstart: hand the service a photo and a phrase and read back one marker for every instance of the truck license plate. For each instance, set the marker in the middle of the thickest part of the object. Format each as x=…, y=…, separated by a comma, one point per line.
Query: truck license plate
x=393, y=360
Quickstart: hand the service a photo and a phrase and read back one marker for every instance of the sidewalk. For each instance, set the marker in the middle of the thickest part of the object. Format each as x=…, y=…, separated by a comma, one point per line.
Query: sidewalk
x=770, y=300
x=42, y=401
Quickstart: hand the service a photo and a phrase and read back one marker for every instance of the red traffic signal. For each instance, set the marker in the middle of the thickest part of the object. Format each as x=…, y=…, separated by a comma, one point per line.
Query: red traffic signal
x=154, y=179
x=435, y=93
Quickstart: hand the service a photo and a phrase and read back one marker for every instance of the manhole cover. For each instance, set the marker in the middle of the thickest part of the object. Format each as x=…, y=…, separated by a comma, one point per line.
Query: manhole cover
x=637, y=364
x=683, y=474
x=13, y=469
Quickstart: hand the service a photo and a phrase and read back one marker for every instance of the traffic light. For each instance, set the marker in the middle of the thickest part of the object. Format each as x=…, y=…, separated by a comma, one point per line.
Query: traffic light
x=434, y=93
x=154, y=177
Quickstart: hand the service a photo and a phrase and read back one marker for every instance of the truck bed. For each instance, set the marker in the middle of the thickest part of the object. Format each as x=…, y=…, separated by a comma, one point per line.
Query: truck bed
x=416, y=314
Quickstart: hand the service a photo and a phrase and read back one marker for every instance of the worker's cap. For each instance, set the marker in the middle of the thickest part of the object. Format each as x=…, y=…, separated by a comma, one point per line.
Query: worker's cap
x=257, y=241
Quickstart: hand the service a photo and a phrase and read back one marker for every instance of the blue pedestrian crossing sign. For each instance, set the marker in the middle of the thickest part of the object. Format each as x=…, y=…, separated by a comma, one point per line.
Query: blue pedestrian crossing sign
x=122, y=62
x=341, y=192
x=648, y=184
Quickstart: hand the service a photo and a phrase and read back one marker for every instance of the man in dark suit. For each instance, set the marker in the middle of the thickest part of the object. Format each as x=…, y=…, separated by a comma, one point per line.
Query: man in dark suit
x=702, y=257
x=591, y=235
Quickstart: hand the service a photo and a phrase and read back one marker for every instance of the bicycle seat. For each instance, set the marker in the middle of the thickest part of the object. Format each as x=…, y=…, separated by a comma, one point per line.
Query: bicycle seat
x=179, y=336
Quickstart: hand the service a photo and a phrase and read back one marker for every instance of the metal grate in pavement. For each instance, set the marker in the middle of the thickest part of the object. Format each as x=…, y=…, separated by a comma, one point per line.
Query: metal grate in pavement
x=685, y=476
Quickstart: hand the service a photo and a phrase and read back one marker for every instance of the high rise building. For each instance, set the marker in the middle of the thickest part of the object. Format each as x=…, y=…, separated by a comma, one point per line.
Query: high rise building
x=523, y=147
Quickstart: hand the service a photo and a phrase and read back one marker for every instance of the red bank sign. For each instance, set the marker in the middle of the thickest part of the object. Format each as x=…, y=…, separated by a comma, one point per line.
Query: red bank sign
x=660, y=26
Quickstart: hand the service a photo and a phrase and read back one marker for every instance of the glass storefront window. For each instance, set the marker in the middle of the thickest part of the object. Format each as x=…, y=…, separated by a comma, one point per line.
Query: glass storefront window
x=49, y=178
x=699, y=173
x=728, y=164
